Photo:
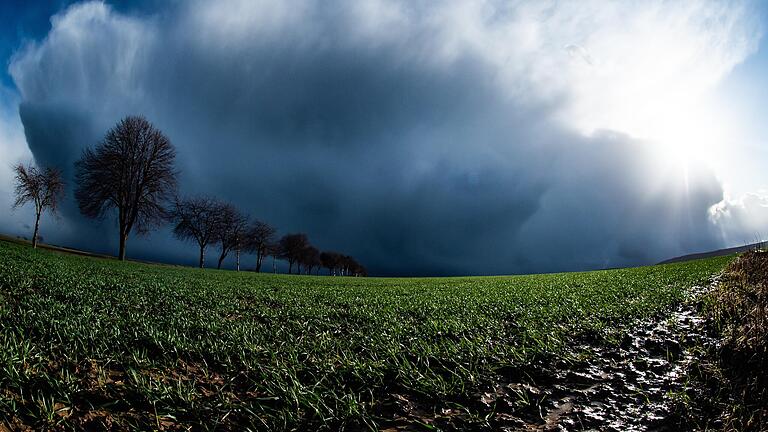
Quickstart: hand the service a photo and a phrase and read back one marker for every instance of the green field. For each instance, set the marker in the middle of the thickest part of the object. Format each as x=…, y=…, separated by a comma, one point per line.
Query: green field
x=87, y=342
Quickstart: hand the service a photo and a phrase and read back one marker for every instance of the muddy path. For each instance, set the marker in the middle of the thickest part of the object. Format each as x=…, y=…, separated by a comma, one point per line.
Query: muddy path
x=629, y=386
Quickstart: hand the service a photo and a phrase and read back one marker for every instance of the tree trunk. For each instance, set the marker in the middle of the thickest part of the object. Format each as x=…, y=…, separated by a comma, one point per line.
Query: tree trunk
x=237, y=259
x=259, y=259
x=123, y=233
x=123, y=239
x=221, y=259
x=37, y=228
x=202, y=256
x=290, y=266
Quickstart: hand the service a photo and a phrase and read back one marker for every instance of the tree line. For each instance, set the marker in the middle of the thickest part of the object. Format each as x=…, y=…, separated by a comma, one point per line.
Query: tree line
x=131, y=172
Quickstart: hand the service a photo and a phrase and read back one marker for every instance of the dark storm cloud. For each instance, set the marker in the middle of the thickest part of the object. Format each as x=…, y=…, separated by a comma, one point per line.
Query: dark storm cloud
x=380, y=140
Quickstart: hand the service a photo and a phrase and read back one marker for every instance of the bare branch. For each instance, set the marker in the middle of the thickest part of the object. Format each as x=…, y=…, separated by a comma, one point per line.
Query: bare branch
x=260, y=239
x=130, y=170
x=198, y=219
x=42, y=187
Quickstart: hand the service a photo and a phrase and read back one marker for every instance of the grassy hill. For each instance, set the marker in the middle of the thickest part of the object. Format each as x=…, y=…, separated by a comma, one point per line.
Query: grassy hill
x=88, y=342
x=718, y=252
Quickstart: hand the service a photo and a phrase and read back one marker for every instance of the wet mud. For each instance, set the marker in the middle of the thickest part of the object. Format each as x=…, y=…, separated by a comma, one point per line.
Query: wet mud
x=630, y=386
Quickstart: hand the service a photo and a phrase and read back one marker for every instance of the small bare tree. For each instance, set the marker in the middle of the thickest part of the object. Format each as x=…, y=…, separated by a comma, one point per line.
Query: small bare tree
x=331, y=261
x=352, y=267
x=291, y=246
x=273, y=250
x=197, y=219
x=131, y=170
x=42, y=187
x=260, y=239
x=231, y=232
x=309, y=258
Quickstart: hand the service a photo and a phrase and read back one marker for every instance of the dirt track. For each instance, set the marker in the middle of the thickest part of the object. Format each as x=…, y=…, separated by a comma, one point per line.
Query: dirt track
x=630, y=386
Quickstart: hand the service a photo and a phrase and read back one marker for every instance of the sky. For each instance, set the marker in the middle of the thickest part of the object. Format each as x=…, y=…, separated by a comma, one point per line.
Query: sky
x=422, y=138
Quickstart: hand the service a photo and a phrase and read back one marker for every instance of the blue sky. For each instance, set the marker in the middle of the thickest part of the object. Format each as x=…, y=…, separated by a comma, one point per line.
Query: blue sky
x=451, y=138
x=24, y=20
x=745, y=91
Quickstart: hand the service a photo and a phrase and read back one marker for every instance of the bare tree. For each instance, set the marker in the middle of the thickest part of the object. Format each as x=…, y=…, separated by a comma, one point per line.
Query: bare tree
x=326, y=260
x=341, y=265
x=353, y=268
x=240, y=243
x=130, y=170
x=259, y=240
x=274, y=250
x=231, y=232
x=197, y=219
x=291, y=246
x=361, y=271
x=309, y=257
x=332, y=261
x=42, y=187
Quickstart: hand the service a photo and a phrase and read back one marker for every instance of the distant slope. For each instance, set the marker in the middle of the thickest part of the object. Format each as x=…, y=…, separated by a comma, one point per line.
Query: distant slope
x=71, y=251
x=715, y=253
x=25, y=241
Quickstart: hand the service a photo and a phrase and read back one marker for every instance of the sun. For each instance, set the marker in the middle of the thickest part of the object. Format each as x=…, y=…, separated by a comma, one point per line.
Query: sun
x=683, y=128
x=687, y=139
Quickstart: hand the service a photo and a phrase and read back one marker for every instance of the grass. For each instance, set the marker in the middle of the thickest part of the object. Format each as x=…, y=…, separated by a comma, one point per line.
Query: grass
x=92, y=343
x=730, y=380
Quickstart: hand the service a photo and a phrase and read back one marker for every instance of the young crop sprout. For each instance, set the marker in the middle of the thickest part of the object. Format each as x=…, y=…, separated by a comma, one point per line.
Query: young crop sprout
x=42, y=187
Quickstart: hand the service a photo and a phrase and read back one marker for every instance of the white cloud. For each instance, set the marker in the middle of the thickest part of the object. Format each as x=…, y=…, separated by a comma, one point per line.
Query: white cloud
x=13, y=148
x=742, y=220
x=649, y=65
x=482, y=119
x=82, y=31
